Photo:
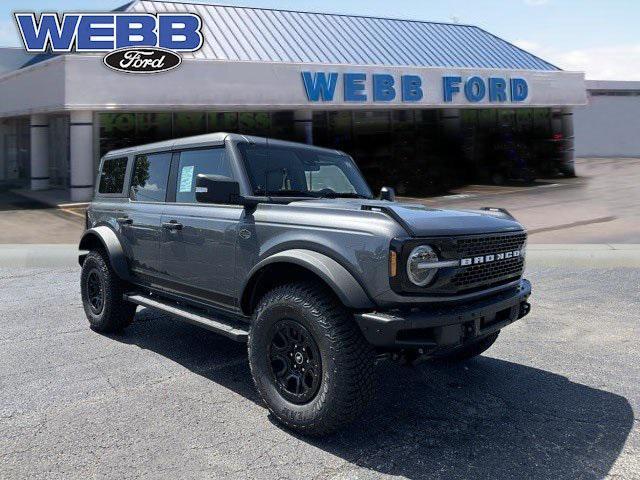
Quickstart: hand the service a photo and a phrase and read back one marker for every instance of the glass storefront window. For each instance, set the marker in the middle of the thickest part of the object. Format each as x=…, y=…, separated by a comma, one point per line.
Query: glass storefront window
x=403, y=120
x=469, y=118
x=282, y=126
x=487, y=118
x=186, y=124
x=254, y=123
x=222, y=122
x=427, y=117
x=524, y=119
x=117, y=130
x=542, y=119
x=506, y=117
x=153, y=127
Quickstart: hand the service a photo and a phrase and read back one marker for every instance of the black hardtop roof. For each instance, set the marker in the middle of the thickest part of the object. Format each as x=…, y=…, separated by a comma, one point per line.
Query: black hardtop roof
x=197, y=141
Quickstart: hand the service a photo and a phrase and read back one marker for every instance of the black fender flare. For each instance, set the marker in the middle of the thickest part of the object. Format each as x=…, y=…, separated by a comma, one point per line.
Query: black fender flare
x=110, y=242
x=338, y=278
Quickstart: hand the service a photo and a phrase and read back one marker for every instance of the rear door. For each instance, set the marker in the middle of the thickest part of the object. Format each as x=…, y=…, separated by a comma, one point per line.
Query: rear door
x=199, y=240
x=140, y=222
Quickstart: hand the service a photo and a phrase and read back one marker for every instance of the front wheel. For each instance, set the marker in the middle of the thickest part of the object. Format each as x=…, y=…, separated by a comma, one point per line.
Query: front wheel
x=309, y=360
x=102, y=292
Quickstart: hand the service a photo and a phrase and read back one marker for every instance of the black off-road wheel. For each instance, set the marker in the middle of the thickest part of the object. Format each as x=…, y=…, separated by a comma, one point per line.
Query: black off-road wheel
x=469, y=351
x=102, y=292
x=309, y=360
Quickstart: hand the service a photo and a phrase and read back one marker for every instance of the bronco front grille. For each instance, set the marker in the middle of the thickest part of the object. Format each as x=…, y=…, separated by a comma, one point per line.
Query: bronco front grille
x=484, y=245
x=491, y=273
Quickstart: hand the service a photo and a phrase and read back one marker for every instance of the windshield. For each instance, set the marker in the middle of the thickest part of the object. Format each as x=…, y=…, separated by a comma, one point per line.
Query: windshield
x=302, y=172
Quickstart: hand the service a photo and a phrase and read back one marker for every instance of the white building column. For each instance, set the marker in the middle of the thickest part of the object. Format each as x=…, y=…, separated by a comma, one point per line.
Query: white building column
x=569, y=141
x=81, y=155
x=39, y=152
x=303, y=124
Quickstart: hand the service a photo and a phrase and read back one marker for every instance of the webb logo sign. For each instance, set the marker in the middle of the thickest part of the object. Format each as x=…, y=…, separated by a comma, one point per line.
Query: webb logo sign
x=137, y=43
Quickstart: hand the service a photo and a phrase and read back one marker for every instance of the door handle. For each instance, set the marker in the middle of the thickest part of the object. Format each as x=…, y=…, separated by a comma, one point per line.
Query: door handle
x=124, y=220
x=172, y=225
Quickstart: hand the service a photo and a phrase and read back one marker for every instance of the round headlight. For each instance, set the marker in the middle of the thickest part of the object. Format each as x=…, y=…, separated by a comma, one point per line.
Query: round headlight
x=419, y=270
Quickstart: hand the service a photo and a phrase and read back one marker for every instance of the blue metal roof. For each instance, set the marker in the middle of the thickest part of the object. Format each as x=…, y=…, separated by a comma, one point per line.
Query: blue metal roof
x=258, y=34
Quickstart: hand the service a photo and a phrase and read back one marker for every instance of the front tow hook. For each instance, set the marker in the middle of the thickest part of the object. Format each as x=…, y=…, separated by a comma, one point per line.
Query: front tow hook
x=525, y=308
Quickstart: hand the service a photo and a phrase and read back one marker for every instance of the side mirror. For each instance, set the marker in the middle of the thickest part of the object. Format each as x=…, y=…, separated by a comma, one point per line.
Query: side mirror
x=217, y=189
x=388, y=193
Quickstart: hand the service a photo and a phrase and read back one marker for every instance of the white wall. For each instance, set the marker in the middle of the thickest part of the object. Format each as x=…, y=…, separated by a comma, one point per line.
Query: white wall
x=609, y=126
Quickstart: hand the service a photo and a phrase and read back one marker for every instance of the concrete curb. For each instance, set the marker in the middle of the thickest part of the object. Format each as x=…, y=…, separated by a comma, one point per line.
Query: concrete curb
x=38, y=255
x=548, y=255
x=584, y=255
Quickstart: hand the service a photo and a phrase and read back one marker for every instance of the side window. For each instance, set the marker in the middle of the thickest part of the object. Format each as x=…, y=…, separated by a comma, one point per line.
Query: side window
x=150, y=177
x=211, y=161
x=112, y=175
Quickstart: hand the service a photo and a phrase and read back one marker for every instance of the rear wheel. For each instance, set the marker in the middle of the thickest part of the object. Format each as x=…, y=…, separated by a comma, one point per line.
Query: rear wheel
x=102, y=292
x=469, y=351
x=309, y=360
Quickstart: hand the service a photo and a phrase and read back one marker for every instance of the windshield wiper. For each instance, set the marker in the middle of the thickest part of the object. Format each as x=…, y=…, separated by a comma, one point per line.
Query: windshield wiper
x=290, y=193
x=344, y=195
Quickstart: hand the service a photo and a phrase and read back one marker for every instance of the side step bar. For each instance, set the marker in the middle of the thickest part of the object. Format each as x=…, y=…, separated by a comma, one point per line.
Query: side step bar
x=224, y=326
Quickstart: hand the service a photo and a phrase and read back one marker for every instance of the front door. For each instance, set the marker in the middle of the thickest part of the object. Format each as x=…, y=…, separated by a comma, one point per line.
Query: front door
x=199, y=240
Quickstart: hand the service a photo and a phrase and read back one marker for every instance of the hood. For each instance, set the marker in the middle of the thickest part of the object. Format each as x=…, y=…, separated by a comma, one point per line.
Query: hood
x=420, y=221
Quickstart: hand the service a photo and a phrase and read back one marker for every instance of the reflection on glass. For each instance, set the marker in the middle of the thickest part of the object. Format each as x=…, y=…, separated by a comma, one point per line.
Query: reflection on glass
x=153, y=126
x=150, y=177
x=186, y=124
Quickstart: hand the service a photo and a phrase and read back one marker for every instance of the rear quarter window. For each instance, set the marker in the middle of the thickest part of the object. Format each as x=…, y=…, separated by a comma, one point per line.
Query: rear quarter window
x=112, y=175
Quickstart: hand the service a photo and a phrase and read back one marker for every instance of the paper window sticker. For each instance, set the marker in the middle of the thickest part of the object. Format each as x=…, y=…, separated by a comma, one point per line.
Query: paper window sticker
x=186, y=179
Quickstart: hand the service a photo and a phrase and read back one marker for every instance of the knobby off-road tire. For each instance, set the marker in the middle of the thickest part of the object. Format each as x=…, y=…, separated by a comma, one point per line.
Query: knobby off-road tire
x=346, y=360
x=102, y=291
x=467, y=352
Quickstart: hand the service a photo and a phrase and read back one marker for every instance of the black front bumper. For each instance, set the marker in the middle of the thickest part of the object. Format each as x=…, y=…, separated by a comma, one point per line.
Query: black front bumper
x=433, y=327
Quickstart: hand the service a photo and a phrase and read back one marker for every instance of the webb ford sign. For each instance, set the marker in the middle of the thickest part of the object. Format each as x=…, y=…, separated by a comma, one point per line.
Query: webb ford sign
x=385, y=87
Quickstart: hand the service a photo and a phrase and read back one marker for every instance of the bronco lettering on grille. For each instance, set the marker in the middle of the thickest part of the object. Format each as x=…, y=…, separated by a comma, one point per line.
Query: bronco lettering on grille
x=489, y=258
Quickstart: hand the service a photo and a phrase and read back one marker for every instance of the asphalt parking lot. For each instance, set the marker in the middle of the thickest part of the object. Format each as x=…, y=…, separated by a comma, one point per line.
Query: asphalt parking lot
x=556, y=397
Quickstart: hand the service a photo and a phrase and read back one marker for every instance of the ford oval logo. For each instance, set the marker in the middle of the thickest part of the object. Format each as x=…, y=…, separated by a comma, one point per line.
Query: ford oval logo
x=142, y=60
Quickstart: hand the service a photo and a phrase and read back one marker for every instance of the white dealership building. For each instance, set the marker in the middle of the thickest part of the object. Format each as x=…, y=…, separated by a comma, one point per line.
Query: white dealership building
x=414, y=102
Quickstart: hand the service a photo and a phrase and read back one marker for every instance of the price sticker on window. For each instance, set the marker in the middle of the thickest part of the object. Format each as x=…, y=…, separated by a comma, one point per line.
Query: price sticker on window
x=186, y=179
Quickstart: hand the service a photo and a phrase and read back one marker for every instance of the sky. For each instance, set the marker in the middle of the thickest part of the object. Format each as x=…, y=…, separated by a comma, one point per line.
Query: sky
x=599, y=37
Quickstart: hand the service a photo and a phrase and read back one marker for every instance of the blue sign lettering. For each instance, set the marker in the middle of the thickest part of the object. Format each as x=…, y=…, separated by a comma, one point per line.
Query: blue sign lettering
x=450, y=86
x=519, y=90
x=321, y=86
x=474, y=89
x=179, y=32
x=136, y=34
x=497, y=89
x=383, y=90
x=97, y=32
x=36, y=37
x=92, y=26
x=411, y=88
x=354, y=90
x=318, y=86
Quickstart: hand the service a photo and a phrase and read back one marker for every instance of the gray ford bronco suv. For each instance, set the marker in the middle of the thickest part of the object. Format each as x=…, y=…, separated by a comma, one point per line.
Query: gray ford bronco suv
x=283, y=246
